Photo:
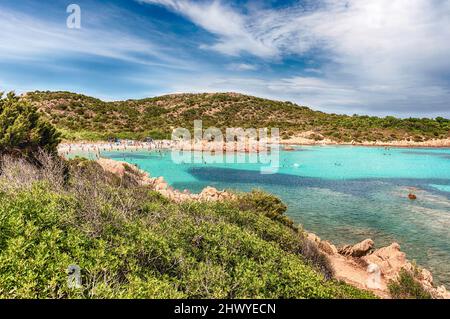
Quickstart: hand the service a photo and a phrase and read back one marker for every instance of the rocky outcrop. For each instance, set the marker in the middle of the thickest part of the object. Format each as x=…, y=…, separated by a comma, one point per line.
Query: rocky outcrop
x=114, y=167
x=358, y=250
x=392, y=260
x=328, y=248
x=125, y=170
x=372, y=269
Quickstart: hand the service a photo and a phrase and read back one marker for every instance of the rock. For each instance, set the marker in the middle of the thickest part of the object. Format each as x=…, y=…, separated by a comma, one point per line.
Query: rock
x=313, y=237
x=390, y=259
x=115, y=167
x=212, y=194
x=441, y=293
x=328, y=247
x=359, y=250
x=162, y=186
x=425, y=277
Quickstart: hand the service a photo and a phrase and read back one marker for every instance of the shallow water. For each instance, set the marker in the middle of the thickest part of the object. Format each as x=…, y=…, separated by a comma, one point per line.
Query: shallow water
x=344, y=194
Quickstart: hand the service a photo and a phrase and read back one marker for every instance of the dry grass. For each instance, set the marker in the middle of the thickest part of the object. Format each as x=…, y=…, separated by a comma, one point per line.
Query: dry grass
x=321, y=262
x=18, y=173
x=93, y=189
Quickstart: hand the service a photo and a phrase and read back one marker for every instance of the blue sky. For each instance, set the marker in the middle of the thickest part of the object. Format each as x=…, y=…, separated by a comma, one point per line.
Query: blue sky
x=375, y=57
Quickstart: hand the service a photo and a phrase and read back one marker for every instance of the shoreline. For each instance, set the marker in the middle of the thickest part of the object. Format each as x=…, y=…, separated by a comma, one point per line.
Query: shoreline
x=67, y=147
x=367, y=145
x=434, y=143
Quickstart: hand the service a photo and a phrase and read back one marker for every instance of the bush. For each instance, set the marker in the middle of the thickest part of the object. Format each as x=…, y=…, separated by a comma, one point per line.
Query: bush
x=22, y=130
x=407, y=287
x=270, y=205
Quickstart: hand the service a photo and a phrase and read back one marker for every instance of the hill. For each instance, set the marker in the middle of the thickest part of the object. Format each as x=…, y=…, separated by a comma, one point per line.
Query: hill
x=83, y=117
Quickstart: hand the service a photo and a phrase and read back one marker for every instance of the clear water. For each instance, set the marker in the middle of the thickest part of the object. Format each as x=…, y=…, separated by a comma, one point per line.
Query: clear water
x=344, y=194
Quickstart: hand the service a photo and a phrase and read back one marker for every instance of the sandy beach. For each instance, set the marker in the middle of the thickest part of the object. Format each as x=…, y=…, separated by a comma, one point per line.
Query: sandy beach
x=435, y=143
x=128, y=145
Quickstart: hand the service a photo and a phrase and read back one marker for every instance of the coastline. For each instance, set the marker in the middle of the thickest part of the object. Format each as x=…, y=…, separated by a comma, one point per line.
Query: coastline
x=435, y=143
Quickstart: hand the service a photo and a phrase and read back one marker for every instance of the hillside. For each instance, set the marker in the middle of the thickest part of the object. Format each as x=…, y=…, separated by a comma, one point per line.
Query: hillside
x=82, y=117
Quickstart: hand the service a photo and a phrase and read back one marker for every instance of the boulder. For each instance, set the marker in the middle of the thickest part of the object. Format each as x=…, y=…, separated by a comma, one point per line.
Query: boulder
x=359, y=250
x=114, y=167
x=390, y=259
x=442, y=293
x=328, y=247
x=313, y=237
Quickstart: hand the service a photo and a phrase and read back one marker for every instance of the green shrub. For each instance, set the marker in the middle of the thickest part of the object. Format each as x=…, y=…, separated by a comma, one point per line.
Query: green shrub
x=270, y=205
x=407, y=287
x=22, y=130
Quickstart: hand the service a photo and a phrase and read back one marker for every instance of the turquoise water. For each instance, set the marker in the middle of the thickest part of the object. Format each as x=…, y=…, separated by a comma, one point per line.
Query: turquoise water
x=344, y=194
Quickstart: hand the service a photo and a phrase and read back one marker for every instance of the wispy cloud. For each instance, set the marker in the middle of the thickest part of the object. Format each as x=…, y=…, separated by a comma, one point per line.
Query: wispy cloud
x=391, y=53
x=216, y=17
x=242, y=67
x=24, y=37
x=346, y=56
x=370, y=30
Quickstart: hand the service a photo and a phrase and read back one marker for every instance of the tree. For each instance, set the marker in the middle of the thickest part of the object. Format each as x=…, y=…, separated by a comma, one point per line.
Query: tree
x=22, y=130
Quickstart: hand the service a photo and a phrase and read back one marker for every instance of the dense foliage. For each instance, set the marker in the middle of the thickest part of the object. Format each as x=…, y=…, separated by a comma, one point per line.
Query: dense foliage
x=407, y=287
x=82, y=117
x=22, y=130
x=132, y=243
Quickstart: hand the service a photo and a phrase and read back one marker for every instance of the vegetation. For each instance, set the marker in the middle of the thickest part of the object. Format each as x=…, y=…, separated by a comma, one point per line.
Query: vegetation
x=82, y=117
x=22, y=130
x=132, y=243
x=267, y=204
x=407, y=287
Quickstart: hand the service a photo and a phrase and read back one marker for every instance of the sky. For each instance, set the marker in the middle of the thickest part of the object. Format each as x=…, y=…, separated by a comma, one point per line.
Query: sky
x=376, y=57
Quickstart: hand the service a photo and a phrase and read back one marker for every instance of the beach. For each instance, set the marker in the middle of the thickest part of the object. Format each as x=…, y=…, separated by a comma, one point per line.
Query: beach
x=96, y=147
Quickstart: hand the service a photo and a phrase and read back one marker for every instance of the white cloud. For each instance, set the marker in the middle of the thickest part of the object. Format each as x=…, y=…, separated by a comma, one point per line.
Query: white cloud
x=370, y=30
x=391, y=54
x=223, y=21
x=242, y=67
